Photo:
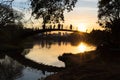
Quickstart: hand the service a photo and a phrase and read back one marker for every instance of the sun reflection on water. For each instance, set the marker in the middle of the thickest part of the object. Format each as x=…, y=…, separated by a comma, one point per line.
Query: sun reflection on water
x=49, y=56
x=85, y=47
x=82, y=47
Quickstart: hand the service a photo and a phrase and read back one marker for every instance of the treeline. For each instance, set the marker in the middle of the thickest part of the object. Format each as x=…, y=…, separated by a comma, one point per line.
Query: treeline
x=11, y=33
x=97, y=37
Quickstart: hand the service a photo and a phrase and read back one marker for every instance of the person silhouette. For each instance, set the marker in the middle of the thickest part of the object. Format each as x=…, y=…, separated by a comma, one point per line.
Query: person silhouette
x=71, y=26
x=59, y=26
x=50, y=26
x=54, y=27
x=62, y=26
x=43, y=26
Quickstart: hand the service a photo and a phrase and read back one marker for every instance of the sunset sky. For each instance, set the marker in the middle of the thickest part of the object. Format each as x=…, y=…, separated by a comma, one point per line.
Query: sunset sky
x=84, y=13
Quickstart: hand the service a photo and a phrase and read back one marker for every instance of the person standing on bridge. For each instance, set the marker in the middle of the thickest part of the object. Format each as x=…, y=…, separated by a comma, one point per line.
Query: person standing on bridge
x=59, y=25
x=50, y=26
x=54, y=26
x=71, y=26
x=43, y=26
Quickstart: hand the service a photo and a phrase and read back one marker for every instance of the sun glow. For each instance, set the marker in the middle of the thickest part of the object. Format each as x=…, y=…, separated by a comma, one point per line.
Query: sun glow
x=82, y=27
x=82, y=47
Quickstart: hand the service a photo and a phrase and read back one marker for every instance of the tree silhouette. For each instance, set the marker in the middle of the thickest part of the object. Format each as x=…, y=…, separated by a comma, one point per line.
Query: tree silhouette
x=8, y=14
x=51, y=10
x=109, y=16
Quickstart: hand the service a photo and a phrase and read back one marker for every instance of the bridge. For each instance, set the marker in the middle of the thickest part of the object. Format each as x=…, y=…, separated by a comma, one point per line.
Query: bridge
x=49, y=30
x=34, y=32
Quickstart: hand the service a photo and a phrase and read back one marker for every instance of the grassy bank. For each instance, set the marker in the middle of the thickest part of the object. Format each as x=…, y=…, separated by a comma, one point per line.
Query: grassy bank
x=99, y=67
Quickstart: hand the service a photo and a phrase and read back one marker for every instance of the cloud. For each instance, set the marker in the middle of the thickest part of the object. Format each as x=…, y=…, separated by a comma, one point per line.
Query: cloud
x=90, y=0
x=87, y=3
x=20, y=1
x=86, y=8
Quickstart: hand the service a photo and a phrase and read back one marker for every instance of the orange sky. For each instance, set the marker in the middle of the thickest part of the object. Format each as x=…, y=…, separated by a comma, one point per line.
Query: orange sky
x=85, y=13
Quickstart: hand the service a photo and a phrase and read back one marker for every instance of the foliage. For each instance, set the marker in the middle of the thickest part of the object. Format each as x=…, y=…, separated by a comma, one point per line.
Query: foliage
x=51, y=10
x=8, y=14
x=97, y=37
x=10, y=69
x=109, y=17
x=109, y=12
x=10, y=21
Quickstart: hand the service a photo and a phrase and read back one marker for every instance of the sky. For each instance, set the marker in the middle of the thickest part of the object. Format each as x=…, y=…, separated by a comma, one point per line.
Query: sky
x=84, y=13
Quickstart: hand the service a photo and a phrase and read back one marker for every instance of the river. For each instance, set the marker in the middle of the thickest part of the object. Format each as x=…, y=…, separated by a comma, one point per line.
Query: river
x=40, y=52
x=49, y=53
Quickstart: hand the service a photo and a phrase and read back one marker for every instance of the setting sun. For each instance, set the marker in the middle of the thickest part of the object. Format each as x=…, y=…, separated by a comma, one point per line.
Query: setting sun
x=82, y=27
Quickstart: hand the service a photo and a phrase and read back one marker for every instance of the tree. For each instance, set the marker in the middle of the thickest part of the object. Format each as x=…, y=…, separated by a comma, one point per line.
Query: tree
x=109, y=17
x=8, y=14
x=51, y=10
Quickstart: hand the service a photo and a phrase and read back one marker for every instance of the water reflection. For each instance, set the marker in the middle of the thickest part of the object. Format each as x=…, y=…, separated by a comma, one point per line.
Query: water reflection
x=14, y=66
x=49, y=43
x=10, y=69
x=83, y=47
x=37, y=59
x=50, y=52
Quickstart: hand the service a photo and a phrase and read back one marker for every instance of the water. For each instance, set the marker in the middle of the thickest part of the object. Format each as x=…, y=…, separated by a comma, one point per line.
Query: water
x=49, y=54
x=30, y=63
x=11, y=69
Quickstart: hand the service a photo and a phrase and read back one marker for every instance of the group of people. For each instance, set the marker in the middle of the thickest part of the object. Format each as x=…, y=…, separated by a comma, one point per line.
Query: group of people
x=59, y=26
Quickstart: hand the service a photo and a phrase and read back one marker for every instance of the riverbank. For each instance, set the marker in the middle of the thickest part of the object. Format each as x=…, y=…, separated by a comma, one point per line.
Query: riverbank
x=100, y=68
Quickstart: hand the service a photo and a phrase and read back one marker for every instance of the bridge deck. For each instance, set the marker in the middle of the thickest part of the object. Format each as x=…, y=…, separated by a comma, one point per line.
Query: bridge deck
x=47, y=30
x=34, y=32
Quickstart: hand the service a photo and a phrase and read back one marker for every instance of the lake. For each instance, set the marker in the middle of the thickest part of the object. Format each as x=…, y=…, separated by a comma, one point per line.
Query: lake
x=28, y=65
x=49, y=53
